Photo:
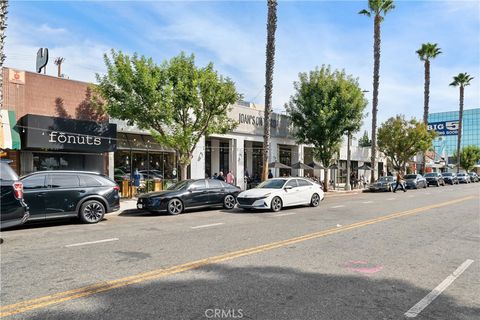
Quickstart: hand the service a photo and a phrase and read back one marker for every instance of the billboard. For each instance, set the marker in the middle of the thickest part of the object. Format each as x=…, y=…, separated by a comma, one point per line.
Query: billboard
x=444, y=128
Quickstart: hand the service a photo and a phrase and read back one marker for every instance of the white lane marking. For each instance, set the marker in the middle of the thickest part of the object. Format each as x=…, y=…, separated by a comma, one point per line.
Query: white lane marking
x=284, y=214
x=338, y=225
x=391, y=198
x=340, y=206
x=91, y=242
x=367, y=202
x=207, y=225
x=422, y=304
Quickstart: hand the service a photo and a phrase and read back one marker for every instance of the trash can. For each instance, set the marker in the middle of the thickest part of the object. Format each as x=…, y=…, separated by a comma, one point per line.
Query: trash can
x=126, y=190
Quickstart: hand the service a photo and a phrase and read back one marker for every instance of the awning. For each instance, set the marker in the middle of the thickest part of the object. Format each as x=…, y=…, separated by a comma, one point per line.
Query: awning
x=9, y=135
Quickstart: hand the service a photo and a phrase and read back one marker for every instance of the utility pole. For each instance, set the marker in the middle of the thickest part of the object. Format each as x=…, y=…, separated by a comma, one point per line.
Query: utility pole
x=58, y=62
x=349, y=141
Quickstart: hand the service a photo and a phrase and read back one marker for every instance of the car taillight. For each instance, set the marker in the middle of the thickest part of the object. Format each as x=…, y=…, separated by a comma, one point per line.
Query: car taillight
x=18, y=190
x=117, y=188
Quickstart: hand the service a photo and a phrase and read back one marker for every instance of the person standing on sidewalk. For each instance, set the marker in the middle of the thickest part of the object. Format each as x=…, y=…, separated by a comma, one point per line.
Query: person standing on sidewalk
x=230, y=177
x=399, y=182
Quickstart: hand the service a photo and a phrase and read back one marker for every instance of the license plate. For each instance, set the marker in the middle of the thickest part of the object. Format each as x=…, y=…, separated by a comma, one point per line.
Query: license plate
x=140, y=205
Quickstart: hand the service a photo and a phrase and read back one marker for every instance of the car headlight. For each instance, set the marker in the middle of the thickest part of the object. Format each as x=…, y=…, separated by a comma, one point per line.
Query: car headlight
x=265, y=196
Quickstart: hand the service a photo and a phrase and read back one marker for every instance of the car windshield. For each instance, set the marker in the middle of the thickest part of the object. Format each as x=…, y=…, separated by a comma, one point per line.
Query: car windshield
x=431, y=175
x=272, y=184
x=411, y=176
x=447, y=174
x=179, y=186
x=385, y=179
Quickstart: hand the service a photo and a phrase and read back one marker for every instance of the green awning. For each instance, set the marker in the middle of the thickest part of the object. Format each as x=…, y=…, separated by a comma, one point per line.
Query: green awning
x=9, y=134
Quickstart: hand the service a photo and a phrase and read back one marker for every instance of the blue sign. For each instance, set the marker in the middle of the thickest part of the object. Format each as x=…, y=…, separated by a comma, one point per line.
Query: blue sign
x=444, y=128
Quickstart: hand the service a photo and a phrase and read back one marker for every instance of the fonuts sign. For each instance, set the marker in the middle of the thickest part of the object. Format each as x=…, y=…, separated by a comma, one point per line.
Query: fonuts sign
x=60, y=137
x=66, y=134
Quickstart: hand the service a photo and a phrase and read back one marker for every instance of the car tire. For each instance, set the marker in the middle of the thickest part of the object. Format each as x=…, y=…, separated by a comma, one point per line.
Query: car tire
x=276, y=204
x=91, y=211
x=174, y=206
x=315, y=201
x=229, y=202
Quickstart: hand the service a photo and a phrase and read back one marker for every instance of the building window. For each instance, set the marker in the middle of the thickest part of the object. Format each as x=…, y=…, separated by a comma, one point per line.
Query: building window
x=224, y=157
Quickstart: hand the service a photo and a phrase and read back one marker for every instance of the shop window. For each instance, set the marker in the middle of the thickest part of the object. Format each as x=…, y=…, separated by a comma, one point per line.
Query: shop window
x=224, y=157
x=285, y=158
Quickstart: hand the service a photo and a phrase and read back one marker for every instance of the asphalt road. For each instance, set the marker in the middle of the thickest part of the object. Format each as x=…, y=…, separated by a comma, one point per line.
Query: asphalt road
x=364, y=256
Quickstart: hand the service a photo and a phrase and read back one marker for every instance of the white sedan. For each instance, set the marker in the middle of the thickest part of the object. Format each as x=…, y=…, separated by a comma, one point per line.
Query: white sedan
x=274, y=194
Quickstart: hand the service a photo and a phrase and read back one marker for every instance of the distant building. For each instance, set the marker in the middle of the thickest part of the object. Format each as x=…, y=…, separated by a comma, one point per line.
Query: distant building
x=446, y=126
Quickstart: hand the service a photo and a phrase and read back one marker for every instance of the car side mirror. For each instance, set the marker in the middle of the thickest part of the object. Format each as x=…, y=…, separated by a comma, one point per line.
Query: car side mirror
x=288, y=187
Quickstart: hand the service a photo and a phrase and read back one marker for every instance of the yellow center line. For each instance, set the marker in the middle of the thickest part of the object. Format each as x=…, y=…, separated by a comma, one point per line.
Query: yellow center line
x=45, y=301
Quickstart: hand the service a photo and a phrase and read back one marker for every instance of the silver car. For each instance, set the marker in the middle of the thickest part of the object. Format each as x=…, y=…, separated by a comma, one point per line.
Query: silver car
x=463, y=178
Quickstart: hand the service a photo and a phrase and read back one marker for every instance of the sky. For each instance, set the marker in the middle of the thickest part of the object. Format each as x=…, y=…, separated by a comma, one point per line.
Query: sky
x=232, y=35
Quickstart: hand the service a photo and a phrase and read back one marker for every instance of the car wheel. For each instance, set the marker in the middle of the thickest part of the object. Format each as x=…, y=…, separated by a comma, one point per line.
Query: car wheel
x=175, y=206
x=276, y=204
x=315, y=201
x=229, y=202
x=91, y=211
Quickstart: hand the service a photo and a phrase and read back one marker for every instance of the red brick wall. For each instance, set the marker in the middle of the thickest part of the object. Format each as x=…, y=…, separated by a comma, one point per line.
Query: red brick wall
x=43, y=95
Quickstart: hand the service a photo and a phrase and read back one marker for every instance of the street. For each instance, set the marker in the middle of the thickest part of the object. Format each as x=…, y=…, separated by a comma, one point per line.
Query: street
x=356, y=256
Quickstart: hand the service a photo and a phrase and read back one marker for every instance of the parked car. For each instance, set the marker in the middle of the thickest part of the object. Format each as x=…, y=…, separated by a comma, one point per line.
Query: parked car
x=190, y=194
x=435, y=178
x=415, y=181
x=275, y=194
x=474, y=177
x=13, y=210
x=450, y=177
x=463, y=177
x=58, y=194
x=386, y=183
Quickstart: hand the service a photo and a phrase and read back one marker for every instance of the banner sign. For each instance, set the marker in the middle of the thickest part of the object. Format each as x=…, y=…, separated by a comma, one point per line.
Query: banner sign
x=67, y=134
x=444, y=128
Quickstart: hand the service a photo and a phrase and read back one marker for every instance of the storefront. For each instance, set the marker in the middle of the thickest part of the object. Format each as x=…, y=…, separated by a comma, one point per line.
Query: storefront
x=52, y=143
x=138, y=152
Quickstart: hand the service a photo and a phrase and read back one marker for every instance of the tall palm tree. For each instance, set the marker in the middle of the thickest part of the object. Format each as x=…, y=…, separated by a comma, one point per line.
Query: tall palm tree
x=461, y=80
x=3, y=27
x=427, y=52
x=270, y=52
x=378, y=9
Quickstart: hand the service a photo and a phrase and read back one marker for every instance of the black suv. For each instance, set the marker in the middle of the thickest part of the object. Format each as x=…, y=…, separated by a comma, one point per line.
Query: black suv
x=13, y=210
x=435, y=178
x=58, y=194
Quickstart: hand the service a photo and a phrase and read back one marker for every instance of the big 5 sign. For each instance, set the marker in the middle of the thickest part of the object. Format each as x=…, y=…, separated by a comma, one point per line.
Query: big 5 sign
x=444, y=128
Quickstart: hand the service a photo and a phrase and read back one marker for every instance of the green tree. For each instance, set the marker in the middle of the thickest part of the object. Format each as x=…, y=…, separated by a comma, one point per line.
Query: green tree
x=469, y=157
x=326, y=105
x=3, y=28
x=364, y=140
x=427, y=52
x=177, y=101
x=378, y=9
x=400, y=140
x=461, y=80
x=269, y=64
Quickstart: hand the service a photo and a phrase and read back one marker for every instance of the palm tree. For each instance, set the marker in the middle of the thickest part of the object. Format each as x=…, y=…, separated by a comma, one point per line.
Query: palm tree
x=461, y=80
x=377, y=8
x=270, y=52
x=3, y=27
x=427, y=52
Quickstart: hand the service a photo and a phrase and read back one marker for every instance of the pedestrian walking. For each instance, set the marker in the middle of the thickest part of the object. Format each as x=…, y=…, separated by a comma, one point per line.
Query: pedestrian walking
x=230, y=177
x=270, y=174
x=221, y=176
x=399, y=182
